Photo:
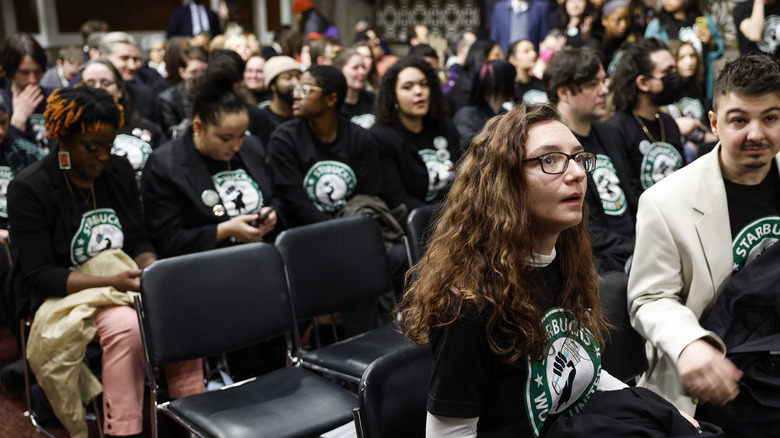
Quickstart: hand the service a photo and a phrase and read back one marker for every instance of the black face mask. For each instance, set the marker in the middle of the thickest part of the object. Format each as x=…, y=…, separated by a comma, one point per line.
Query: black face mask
x=672, y=91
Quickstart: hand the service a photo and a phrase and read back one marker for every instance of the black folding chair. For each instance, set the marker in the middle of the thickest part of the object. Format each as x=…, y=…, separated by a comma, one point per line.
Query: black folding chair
x=419, y=227
x=332, y=266
x=624, y=355
x=219, y=301
x=393, y=394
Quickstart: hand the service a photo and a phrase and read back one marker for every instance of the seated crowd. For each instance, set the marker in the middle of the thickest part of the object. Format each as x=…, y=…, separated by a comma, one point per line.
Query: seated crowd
x=209, y=140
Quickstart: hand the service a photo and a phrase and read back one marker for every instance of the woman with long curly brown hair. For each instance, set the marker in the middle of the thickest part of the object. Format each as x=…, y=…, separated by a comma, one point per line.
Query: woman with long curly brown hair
x=510, y=251
x=507, y=293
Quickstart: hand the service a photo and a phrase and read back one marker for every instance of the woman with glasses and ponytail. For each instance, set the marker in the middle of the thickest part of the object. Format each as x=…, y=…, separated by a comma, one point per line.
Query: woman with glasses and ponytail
x=77, y=226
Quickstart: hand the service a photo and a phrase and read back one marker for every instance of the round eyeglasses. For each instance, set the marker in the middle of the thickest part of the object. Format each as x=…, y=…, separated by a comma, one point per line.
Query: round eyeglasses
x=304, y=90
x=554, y=163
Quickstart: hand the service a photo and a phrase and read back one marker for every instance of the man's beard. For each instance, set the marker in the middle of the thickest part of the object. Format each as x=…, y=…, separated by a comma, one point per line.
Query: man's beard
x=286, y=97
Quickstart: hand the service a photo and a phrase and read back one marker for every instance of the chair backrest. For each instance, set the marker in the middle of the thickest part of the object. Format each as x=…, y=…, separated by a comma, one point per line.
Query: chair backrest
x=394, y=392
x=213, y=302
x=334, y=264
x=624, y=356
x=418, y=231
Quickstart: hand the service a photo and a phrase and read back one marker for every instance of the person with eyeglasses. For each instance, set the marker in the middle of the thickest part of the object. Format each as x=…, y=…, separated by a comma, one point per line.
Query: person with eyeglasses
x=576, y=84
x=645, y=80
x=319, y=159
x=507, y=295
x=77, y=228
x=138, y=136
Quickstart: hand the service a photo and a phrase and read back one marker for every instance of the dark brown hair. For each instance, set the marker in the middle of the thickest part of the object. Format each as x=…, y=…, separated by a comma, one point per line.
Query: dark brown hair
x=480, y=250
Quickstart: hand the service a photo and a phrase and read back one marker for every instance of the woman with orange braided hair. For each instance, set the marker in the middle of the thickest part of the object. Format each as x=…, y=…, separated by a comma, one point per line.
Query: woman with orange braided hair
x=69, y=213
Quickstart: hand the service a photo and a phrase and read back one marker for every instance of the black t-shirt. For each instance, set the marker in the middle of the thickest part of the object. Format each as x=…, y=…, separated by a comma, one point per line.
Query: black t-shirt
x=469, y=380
x=532, y=92
x=314, y=179
x=417, y=168
x=754, y=216
x=274, y=120
x=655, y=154
x=360, y=113
x=612, y=196
x=769, y=41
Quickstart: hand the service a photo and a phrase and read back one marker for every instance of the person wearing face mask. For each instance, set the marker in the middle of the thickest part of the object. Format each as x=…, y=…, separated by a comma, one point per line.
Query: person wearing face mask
x=701, y=232
x=683, y=20
x=646, y=79
x=282, y=74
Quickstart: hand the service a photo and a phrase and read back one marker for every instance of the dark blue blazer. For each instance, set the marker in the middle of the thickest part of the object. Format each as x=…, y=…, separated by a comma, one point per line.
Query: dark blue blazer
x=181, y=22
x=502, y=17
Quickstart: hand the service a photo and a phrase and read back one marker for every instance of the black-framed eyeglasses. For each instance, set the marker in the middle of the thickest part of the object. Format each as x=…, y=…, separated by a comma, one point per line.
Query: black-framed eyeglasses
x=304, y=90
x=554, y=163
x=104, y=83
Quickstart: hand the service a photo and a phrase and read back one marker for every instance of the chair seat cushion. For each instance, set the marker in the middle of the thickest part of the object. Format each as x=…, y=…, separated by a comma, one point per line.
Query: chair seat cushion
x=284, y=403
x=352, y=356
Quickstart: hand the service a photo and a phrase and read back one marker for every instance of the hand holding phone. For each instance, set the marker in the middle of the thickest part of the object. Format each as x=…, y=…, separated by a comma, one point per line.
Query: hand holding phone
x=264, y=216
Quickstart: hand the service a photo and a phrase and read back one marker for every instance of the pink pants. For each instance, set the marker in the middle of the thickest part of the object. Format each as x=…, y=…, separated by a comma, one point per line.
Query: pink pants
x=124, y=369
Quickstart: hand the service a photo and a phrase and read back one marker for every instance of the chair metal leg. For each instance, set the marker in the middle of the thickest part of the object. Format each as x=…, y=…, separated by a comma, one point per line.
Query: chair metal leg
x=358, y=422
x=29, y=413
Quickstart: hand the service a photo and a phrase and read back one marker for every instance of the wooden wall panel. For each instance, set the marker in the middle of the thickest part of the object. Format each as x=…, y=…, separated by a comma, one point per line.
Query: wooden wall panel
x=124, y=15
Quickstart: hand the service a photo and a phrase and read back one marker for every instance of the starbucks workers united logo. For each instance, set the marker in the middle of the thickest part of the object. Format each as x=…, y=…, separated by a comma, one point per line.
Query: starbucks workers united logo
x=613, y=199
x=5, y=178
x=239, y=193
x=135, y=149
x=754, y=239
x=328, y=185
x=99, y=230
x=564, y=381
x=660, y=160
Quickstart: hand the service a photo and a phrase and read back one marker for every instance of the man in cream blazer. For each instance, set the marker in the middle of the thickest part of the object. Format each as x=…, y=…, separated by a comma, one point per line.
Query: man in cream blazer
x=684, y=252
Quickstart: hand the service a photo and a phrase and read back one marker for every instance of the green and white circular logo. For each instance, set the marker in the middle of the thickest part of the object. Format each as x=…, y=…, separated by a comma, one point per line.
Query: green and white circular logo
x=38, y=124
x=441, y=170
x=660, y=161
x=5, y=178
x=365, y=121
x=534, y=96
x=754, y=239
x=328, y=185
x=613, y=199
x=688, y=35
x=240, y=193
x=135, y=149
x=564, y=381
x=690, y=107
x=99, y=230
x=770, y=38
